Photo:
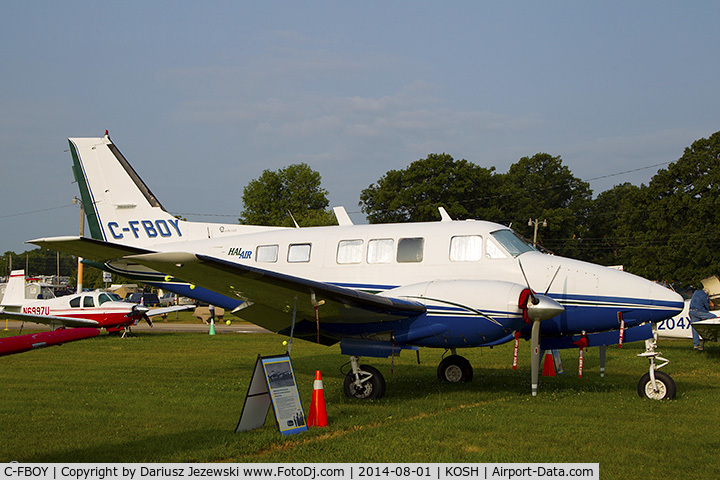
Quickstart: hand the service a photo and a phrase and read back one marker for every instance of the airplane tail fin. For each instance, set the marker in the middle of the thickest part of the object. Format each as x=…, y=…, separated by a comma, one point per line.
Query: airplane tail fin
x=15, y=289
x=119, y=206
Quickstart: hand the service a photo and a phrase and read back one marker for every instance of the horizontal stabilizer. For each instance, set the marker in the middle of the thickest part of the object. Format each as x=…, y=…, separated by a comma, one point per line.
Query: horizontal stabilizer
x=49, y=319
x=87, y=247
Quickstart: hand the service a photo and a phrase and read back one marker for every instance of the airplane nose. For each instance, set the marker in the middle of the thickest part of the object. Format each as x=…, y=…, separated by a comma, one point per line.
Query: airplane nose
x=541, y=307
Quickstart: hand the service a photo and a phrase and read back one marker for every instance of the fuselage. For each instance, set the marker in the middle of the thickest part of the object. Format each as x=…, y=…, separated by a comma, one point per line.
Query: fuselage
x=102, y=307
x=459, y=258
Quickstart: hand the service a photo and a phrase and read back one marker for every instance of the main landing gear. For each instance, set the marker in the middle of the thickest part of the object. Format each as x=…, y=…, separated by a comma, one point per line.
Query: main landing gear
x=455, y=369
x=654, y=384
x=367, y=383
x=363, y=381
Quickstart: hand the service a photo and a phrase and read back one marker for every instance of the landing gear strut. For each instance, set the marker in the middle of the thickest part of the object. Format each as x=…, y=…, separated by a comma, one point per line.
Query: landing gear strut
x=363, y=381
x=654, y=384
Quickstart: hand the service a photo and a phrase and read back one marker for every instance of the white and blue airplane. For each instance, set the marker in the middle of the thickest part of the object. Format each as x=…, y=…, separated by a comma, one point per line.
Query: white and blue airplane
x=374, y=289
x=679, y=326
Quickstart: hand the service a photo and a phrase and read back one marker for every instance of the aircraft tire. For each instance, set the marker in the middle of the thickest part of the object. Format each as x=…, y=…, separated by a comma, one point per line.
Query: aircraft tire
x=372, y=389
x=666, y=387
x=455, y=369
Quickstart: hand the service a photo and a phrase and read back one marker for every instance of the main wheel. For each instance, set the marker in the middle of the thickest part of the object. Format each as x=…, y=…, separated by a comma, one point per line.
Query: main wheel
x=455, y=369
x=372, y=384
x=665, y=387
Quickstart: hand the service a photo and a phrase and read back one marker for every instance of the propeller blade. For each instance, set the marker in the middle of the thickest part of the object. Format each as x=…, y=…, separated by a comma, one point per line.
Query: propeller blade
x=532, y=293
x=535, y=356
x=137, y=310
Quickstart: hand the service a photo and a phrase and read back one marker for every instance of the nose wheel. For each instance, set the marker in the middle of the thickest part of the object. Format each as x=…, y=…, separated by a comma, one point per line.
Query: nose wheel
x=655, y=385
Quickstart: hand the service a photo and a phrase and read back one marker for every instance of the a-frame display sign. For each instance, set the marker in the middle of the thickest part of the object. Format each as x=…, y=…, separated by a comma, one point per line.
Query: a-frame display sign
x=273, y=383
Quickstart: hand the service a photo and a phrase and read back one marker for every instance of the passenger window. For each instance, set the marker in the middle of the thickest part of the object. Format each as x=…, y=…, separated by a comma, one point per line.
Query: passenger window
x=410, y=250
x=267, y=254
x=88, y=301
x=349, y=251
x=493, y=251
x=75, y=302
x=380, y=250
x=467, y=248
x=103, y=298
x=298, y=253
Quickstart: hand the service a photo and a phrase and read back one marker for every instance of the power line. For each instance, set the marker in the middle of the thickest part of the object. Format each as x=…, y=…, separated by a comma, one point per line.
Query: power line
x=35, y=211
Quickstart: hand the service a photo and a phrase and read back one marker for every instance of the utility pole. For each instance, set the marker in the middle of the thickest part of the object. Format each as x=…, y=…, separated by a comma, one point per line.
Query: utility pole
x=536, y=223
x=82, y=232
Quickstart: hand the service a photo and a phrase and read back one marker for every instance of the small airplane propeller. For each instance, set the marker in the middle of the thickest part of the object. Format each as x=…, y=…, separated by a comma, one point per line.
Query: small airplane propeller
x=538, y=308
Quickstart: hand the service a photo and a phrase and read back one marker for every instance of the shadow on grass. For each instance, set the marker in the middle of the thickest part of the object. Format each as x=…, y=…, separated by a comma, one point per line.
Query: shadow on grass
x=189, y=446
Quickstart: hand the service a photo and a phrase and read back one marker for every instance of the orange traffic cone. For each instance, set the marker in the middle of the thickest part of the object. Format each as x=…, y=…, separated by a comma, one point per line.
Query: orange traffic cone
x=548, y=365
x=318, y=413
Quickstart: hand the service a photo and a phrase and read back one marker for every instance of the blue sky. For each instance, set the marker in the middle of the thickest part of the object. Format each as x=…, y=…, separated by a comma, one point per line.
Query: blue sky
x=201, y=97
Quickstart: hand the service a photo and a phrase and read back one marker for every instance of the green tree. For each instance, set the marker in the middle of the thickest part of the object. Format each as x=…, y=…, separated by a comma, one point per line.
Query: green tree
x=679, y=235
x=38, y=262
x=610, y=232
x=415, y=193
x=294, y=189
x=542, y=188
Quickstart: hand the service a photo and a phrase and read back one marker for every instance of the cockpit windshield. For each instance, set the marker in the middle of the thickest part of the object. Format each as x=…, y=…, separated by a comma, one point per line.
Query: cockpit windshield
x=512, y=242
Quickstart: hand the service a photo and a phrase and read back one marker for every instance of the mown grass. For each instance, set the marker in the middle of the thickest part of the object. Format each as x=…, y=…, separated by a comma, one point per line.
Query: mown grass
x=176, y=397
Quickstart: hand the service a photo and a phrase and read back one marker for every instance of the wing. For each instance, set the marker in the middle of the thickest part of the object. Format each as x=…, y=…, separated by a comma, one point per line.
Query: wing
x=49, y=319
x=87, y=247
x=164, y=310
x=270, y=297
x=708, y=329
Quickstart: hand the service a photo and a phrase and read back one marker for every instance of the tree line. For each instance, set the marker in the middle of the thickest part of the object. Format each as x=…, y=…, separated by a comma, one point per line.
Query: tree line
x=668, y=230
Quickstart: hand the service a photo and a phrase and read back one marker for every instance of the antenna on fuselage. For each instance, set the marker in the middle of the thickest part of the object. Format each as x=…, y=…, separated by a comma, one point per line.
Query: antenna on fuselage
x=293, y=219
x=444, y=217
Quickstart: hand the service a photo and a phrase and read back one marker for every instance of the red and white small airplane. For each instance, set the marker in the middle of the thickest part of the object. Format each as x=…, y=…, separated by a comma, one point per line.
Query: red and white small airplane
x=90, y=311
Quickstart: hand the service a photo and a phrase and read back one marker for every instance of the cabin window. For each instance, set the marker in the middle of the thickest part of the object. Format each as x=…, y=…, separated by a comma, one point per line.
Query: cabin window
x=380, y=250
x=299, y=253
x=410, y=250
x=466, y=248
x=493, y=251
x=75, y=302
x=104, y=298
x=349, y=251
x=266, y=254
x=88, y=302
x=512, y=242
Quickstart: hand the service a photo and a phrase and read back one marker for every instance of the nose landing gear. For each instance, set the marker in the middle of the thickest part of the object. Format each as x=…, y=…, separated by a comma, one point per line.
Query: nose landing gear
x=655, y=385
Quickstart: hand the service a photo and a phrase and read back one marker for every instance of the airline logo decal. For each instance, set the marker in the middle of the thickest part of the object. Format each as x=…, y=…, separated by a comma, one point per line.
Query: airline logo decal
x=240, y=253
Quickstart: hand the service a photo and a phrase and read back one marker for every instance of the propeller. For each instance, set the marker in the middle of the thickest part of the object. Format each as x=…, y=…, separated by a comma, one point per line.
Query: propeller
x=139, y=311
x=536, y=309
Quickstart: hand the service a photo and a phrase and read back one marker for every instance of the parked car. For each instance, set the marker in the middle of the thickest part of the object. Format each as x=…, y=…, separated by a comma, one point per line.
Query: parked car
x=167, y=299
x=147, y=299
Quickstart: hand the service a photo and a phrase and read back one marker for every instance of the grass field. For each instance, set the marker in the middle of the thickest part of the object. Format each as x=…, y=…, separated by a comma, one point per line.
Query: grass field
x=163, y=397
